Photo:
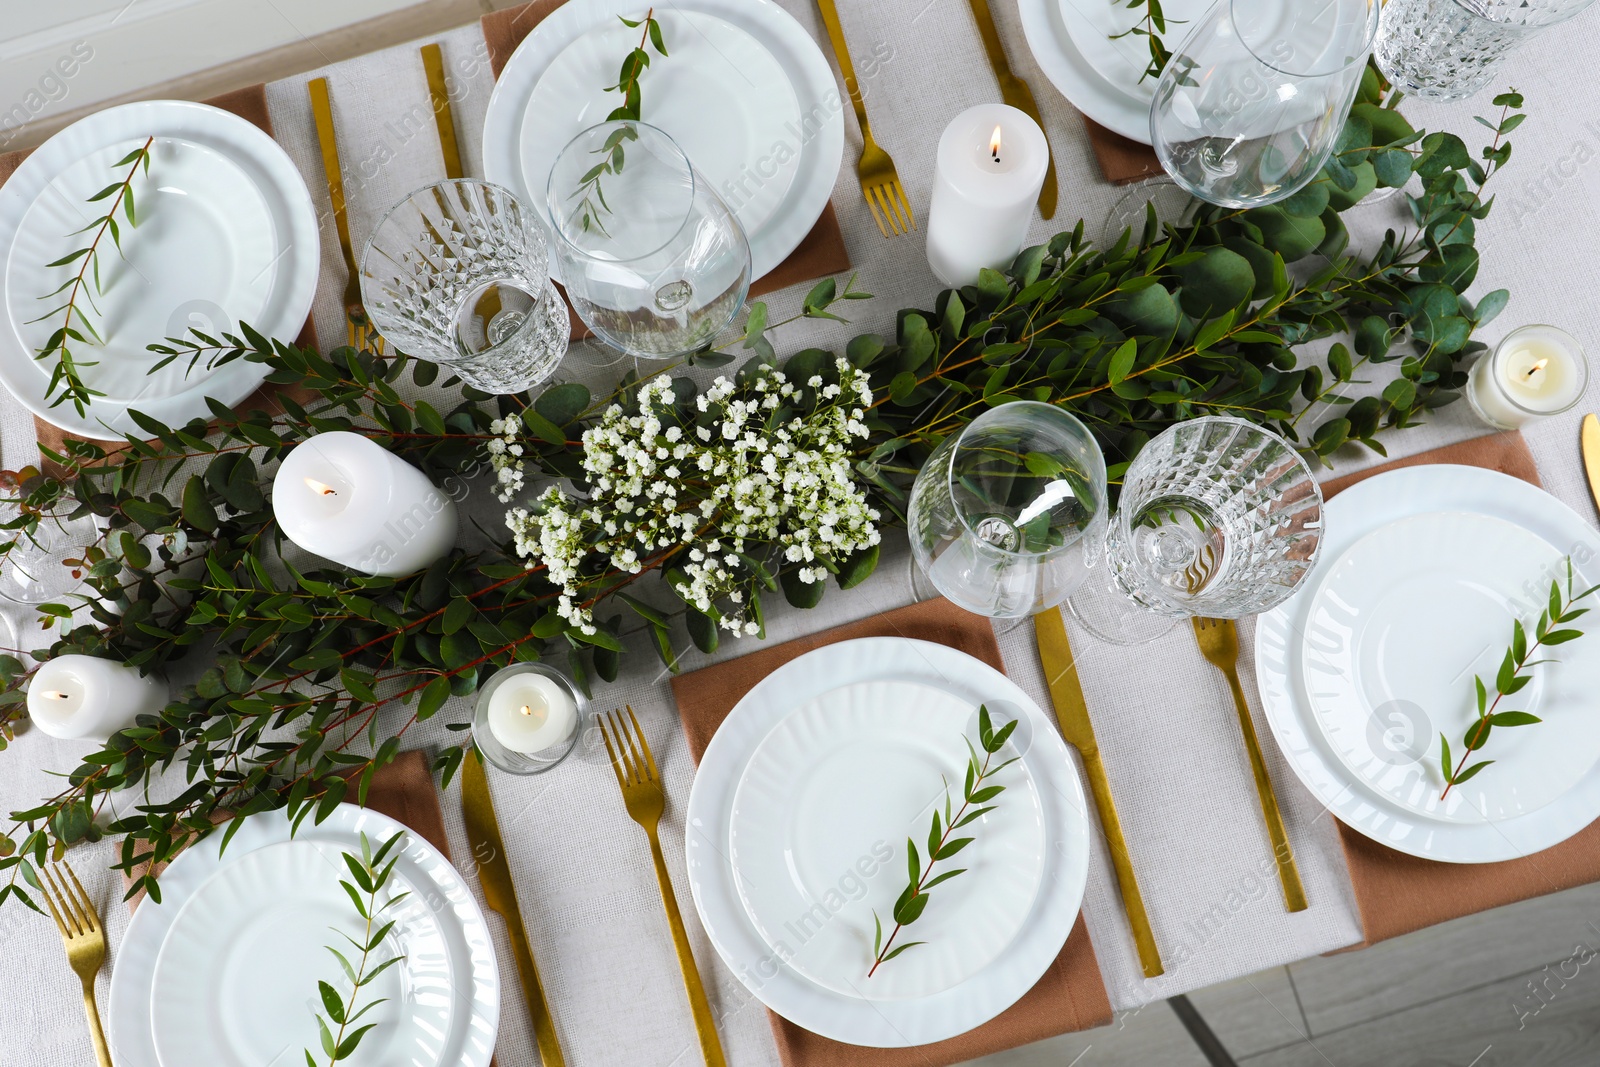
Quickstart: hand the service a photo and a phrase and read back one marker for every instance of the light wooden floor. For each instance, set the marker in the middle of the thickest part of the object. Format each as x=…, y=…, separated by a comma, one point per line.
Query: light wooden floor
x=1516, y=987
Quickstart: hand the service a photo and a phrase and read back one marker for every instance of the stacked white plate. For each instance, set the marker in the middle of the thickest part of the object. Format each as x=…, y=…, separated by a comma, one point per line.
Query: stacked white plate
x=798, y=826
x=1073, y=42
x=224, y=970
x=226, y=234
x=744, y=91
x=1423, y=574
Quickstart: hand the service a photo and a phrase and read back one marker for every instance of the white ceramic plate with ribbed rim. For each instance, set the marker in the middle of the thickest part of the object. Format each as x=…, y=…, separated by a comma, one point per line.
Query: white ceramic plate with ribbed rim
x=763, y=970
x=714, y=68
x=1280, y=675
x=292, y=271
x=854, y=772
x=1075, y=78
x=1400, y=624
x=472, y=983
x=818, y=140
x=240, y=964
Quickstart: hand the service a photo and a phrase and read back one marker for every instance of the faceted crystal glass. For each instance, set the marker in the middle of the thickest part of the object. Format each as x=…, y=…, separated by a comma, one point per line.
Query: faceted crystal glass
x=1450, y=49
x=458, y=273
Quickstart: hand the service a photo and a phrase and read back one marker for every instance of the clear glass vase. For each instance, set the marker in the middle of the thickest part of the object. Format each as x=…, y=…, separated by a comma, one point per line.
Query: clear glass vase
x=654, y=261
x=1450, y=49
x=1251, y=103
x=458, y=274
x=1218, y=518
x=1006, y=517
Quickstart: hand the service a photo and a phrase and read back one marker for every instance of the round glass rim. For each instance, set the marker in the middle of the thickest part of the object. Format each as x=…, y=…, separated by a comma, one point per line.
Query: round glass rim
x=1581, y=360
x=505, y=759
x=985, y=547
x=1374, y=10
x=688, y=166
x=1577, y=9
x=1124, y=521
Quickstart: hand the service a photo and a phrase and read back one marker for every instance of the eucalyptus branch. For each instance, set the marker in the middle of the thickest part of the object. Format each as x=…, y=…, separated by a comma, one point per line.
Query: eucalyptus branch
x=369, y=873
x=592, y=198
x=1513, y=676
x=1151, y=27
x=975, y=804
x=66, y=376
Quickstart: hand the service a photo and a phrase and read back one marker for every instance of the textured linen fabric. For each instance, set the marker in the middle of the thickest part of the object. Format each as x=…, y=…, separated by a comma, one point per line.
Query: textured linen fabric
x=1164, y=719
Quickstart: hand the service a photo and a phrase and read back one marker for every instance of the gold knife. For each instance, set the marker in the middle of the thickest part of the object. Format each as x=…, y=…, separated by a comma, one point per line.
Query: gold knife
x=1015, y=91
x=494, y=873
x=443, y=116
x=1061, y=675
x=1591, y=455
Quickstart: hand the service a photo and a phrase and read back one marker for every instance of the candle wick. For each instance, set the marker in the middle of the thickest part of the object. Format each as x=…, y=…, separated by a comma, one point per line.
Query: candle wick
x=1537, y=367
x=526, y=710
x=52, y=694
x=320, y=488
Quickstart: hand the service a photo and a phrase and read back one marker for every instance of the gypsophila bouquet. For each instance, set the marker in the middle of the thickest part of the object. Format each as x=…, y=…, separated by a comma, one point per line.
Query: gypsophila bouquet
x=711, y=486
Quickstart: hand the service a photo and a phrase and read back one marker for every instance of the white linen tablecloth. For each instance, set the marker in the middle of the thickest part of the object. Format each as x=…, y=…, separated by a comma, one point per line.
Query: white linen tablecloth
x=1164, y=719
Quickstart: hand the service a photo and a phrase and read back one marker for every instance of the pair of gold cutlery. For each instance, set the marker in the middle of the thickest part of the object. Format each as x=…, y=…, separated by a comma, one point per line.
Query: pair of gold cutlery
x=360, y=333
x=880, y=182
x=1219, y=644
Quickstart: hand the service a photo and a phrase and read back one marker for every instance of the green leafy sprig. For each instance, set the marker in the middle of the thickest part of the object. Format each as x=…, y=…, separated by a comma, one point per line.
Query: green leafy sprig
x=77, y=325
x=1151, y=27
x=976, y=802
x=1553, y=628
x=369, y=873
x=592, y=198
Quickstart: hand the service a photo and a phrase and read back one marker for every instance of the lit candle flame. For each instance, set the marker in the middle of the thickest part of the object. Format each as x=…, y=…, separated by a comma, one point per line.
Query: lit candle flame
x=994, y=144
x=320, y=489
x=53, y=694
x=526, y=710
x=1537, y=367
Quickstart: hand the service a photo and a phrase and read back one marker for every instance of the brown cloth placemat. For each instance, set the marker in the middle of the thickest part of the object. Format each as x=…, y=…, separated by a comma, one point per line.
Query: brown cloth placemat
x=1122, y=159
x=1070, y=996
x=250, y=104
x=1397, y=893
x=821, y=253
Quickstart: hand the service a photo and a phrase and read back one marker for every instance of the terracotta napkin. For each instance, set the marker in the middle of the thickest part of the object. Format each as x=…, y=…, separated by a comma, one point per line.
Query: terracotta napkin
x=820, y=254
x=1122, y=159
x=250, y=104
x=1070, y=996
x=1397, y=893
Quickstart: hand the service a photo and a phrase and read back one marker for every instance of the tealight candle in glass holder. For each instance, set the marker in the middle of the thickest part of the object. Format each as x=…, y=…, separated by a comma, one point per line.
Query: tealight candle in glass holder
x=1535, y=371
x=527, y=718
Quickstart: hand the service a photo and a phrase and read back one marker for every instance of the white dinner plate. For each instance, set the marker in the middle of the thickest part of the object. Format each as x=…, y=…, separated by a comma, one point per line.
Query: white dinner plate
x=204, y=234
x=817, y=140
x=1410, y=739
x=764, y=970
x=466, y=975
x=165, y=292
x=233, y=979
x=855, y=772
x=1044, y=26
x=1403, y=621
x=714, y=68
x=1098, y=28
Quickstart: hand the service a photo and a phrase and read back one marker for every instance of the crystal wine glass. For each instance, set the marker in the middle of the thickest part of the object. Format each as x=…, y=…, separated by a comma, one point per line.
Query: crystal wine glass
x=1449, y=49
x=1006, y=516
x=458, y=273
x=655, y=262
x=1218, y=518
x=1250, y=104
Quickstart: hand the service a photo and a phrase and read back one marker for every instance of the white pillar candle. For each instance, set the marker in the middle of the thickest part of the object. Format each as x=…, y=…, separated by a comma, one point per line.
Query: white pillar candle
x=988, y=174
x=1534, y=371
x=343, y=497
x=529, y=711
x=75, y=696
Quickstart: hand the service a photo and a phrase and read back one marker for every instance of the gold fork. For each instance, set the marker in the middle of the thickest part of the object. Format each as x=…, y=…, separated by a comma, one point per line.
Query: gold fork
x=880, y=184
x=645, y=800
x=1219, y=644
x=85, y=941
x=358, y=327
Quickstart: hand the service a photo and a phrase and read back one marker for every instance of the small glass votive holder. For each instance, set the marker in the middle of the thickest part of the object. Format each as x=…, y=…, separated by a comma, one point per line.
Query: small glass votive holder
x=528, y=689
x=1534, y=371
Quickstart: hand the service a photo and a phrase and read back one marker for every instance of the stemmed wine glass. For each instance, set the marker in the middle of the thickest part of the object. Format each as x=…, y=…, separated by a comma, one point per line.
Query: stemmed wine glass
x=1218, y=518
x=1006, y=516
x=1249, y=106
x=654, y=261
